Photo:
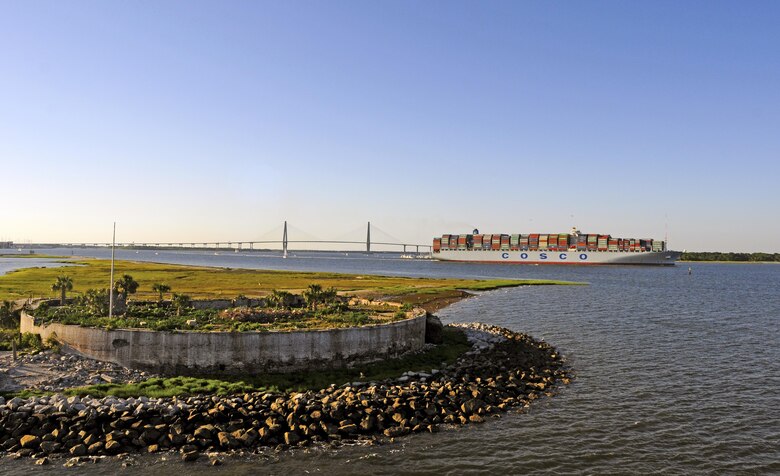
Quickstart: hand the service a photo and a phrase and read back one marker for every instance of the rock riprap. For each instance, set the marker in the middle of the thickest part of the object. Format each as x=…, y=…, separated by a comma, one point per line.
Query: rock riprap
x=504, y=369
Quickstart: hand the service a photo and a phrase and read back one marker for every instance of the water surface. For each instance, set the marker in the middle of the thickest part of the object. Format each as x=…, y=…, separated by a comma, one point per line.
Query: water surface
x=675, y=373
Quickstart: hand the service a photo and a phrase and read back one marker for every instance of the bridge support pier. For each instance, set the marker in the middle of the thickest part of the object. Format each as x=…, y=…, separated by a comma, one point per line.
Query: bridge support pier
x=284, y=241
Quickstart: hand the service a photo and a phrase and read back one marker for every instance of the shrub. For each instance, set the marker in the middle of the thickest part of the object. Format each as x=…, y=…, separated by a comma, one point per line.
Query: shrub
x=30, y=341
x=52, y=343
x=180, y=302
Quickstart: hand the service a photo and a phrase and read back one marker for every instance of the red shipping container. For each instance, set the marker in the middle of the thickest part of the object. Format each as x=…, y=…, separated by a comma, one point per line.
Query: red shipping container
x=496, y=244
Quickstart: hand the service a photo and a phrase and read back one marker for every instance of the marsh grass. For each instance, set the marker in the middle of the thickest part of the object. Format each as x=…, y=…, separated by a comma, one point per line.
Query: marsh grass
x=164, y=387
x=202, y=283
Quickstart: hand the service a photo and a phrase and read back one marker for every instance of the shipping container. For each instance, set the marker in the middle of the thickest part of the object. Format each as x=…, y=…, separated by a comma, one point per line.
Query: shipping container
x=496, y=242
x=533, y=242
x=582, y=242
x=514, y=242
x=593, y=242
x=552, y=242
x=543, y=242
x=487, y=241
x=505, y=241
x=603, y=242
x=524, y=242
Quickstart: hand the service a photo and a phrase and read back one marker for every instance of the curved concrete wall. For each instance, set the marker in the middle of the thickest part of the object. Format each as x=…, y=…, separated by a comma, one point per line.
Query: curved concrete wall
x=188, y=352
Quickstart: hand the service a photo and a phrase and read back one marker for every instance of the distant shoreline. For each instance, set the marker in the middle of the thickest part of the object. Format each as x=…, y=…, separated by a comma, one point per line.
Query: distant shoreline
x=727, y=262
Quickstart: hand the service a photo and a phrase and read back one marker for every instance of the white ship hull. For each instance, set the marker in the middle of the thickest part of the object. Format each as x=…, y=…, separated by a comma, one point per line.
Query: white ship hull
x=573, y=257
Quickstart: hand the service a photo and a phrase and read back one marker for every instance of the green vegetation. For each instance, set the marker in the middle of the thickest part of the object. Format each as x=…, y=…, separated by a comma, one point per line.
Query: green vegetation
x=202, y=283
x=314, y=295
x=163, y=387
x=289, y=314
x=7, y=317
x=9, y=325
x=160, y=288
x=735, y=257
x=123, y=287
x=27, y=255
x=326, y=309
x=181, y=303
x=455, y=344
x=25, y=342
x=6, y=336
x=62, y=284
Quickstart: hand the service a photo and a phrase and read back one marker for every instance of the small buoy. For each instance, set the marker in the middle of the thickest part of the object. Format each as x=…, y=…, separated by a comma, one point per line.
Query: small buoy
x=690, y=271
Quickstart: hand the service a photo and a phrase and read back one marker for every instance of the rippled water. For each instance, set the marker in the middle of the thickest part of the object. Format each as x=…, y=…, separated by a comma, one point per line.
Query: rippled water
x=675, y=373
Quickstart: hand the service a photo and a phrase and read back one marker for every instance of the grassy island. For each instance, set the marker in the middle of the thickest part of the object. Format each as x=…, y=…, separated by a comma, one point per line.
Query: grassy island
x=262, y=300
x=227, y=283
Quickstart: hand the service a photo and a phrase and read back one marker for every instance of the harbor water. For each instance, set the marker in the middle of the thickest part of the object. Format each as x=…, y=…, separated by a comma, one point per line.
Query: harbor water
x=675, y=373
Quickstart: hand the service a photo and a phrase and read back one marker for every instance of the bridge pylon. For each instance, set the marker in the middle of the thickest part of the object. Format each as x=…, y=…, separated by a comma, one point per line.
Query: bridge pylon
x=284, y=241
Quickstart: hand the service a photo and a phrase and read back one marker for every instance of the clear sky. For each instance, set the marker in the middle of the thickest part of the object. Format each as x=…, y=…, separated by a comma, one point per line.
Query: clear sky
x=196, y=121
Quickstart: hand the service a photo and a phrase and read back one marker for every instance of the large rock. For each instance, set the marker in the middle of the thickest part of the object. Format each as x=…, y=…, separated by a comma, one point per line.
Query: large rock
x=291, y=438
x=113, y=447
x=29, y=441
x=78, y=450
x=204, y=432
x=434, y=330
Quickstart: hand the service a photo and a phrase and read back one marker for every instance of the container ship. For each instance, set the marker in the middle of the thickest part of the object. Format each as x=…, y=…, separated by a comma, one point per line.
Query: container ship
x=574, y=248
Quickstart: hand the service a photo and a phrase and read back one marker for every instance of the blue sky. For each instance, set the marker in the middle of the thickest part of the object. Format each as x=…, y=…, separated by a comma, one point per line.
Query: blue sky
x=195, y=121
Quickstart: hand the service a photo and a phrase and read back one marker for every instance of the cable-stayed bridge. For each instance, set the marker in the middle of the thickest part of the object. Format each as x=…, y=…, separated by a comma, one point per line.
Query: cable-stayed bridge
x=302, y=241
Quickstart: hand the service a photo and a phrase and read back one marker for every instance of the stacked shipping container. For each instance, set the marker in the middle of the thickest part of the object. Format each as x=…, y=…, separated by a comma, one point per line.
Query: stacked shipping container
x=545, y=242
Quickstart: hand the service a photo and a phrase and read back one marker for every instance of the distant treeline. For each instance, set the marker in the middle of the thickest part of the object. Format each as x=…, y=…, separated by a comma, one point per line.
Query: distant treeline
x=715, y=256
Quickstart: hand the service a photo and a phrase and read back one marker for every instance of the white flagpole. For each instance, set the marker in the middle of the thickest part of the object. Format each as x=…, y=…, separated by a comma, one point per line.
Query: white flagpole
x=111, y=283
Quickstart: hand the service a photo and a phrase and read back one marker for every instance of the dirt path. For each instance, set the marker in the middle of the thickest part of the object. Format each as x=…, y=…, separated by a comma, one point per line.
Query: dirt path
x=18, y=375
x=52, y=372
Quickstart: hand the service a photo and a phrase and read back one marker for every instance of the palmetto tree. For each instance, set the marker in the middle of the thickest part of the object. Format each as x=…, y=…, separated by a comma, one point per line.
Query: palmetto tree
x=180, y=302
x=125, y=286
x=281, y=299
x=63, y=284
x=313, y=295
x=160, y=288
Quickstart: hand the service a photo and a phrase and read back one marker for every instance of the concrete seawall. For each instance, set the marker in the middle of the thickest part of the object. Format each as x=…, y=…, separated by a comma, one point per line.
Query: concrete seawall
x=186, y=352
